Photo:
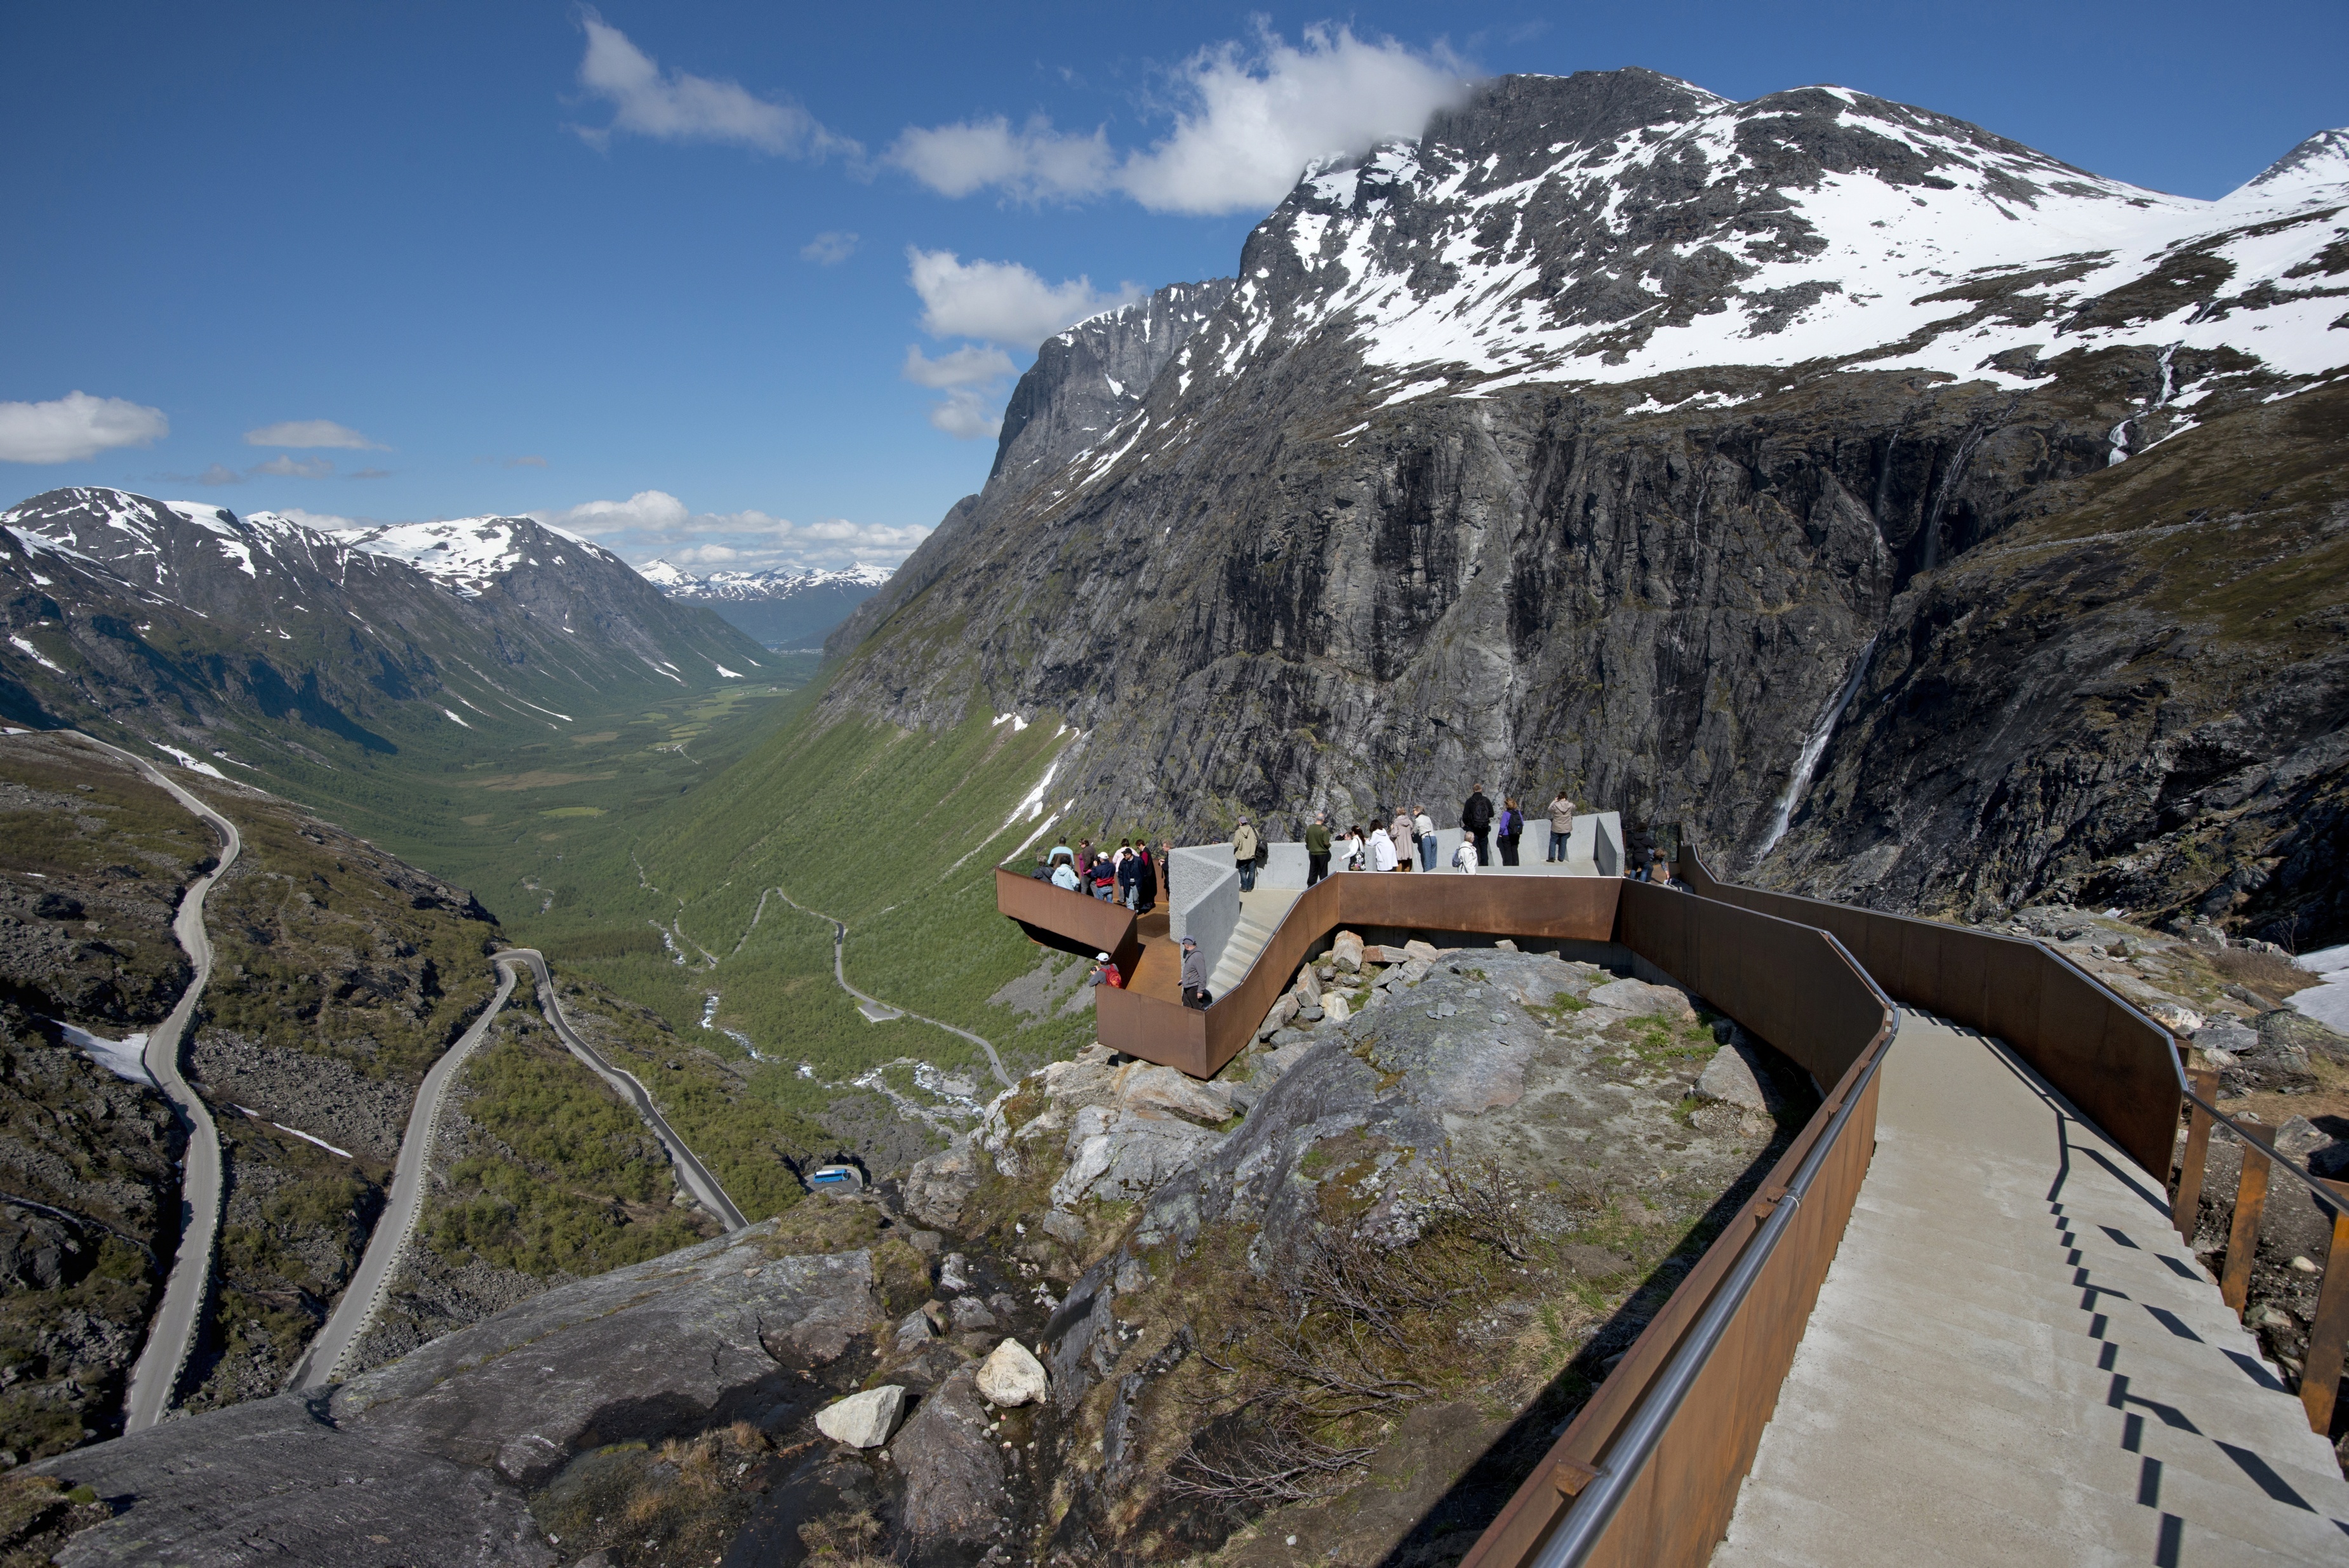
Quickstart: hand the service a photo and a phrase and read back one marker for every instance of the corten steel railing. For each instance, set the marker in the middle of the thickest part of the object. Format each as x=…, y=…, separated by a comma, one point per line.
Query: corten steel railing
x=2118, y=1066
x=2122, y=1070
x=1042, y=910
x=1648, y=1472
x=1199, y=1041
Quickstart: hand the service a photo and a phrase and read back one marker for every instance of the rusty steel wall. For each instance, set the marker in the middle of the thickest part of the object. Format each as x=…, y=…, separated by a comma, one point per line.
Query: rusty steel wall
x=2118, y=1066
x=1797, y=987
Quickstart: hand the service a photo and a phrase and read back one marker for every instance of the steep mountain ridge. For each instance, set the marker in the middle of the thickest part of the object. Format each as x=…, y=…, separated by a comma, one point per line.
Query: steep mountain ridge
x=1602, y=435
x=310, y=660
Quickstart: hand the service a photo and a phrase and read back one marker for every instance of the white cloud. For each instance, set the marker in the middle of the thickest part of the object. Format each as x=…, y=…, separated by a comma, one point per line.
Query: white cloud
x=1033, y=163
x=965, y=366
x=1248, y=123
x=77, y=426
x=293, y=467
x=308, y=433
x=830, y=248
x=655, y=523
x=965, y=415
x=680, y=107
x=1002, y=302
x=650, y=510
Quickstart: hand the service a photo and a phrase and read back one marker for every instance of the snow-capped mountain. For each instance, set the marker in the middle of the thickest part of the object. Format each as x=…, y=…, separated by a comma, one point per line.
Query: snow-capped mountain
x=285, y=649
x=469, y=553
x=780, y=608
x=1754, y=466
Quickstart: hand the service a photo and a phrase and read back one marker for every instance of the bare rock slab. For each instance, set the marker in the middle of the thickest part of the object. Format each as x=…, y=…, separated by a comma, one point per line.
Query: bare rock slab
x=863, y=1420
x=272, y=1480
x=705, y=1334
x=1012, y=1376
x=937, y=1188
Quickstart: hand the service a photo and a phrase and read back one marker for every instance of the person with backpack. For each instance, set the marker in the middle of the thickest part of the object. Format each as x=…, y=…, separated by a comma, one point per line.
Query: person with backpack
x=1465, y=858
x=1105, y=971
x=1317, y=849
x=1561, y=826
x=1243, y=855
x=1476, y=822
x=1509, y=830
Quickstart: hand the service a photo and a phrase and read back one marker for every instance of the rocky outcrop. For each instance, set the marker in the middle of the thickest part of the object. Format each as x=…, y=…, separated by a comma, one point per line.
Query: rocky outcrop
x=699, y=1337
x=429, y=1459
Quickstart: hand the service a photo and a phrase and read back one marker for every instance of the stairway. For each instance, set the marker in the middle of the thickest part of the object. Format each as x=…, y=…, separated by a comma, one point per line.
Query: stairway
x=1260, y=913
x=2015, y=1360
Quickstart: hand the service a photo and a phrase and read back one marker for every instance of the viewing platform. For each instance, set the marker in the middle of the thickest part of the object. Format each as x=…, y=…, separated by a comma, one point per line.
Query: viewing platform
x=1956, y=1324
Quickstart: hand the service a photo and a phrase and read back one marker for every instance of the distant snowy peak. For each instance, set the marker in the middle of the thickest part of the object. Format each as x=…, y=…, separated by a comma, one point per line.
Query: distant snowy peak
x=741, y=586
x=468, y=554
x=1613, y=227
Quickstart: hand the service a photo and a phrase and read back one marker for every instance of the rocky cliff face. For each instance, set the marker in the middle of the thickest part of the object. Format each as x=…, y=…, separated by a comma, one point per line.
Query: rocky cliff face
x=1617, y=436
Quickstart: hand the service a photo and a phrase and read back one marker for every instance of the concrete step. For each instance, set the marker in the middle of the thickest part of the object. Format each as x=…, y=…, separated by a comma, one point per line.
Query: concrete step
x=2076, y=1402
x=1987, y=1462
x=2054, y=1274
x=2022, y=1323
x=1779, y=1527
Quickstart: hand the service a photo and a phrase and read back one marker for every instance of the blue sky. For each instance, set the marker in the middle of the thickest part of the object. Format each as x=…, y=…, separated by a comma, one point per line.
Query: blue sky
x=653, y=270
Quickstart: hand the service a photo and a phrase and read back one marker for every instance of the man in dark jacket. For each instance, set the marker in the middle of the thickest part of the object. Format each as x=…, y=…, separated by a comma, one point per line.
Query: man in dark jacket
x=1476, y=818
x=1317, y=849
x=1194, y=975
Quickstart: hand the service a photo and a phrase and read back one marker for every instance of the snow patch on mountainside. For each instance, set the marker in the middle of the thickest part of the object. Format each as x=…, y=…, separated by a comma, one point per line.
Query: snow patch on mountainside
x=467, y=553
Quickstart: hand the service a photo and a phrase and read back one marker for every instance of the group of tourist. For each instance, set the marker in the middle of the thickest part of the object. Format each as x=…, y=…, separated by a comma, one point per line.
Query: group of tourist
x=1389, y=846
x=1130, y=875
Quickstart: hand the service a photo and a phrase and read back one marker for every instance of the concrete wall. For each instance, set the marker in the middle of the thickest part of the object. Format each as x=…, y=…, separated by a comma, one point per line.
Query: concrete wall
x=1596, y=837
x=1202, y=897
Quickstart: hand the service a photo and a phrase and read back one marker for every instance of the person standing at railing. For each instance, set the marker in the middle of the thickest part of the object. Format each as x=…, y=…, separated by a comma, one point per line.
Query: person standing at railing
x=1129, y=877
x=1243, y=855
x=1512, y=827
x=1424, y=826
x=1465, y=858
x=1382, y=854
x=1561, y=826
x=1350, y=850
x=1064, y=871
x=1401, y=837
x=1476, y=822
x=1317, y=849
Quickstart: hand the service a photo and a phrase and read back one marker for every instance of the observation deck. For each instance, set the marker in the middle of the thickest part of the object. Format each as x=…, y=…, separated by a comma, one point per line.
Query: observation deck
x=1956, y=1325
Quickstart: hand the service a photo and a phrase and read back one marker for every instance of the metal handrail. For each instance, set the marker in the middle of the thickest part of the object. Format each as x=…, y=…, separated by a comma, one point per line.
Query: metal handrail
x=1595, y=1505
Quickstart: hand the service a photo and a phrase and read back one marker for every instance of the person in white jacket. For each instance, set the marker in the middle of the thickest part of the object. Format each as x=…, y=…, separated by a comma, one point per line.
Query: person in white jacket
x=1350, y=850
x=1464, y=857
x=1382, y=852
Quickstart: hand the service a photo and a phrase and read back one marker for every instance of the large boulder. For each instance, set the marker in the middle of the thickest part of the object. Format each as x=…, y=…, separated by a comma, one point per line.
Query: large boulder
x=1641, y=1000
x=863, y=1420
x=1012, y=1375
x=1737, y=1076
x=1124, y=1154
x=937, y=1188
x=1346, y=952
x=1145, y=1087
x=953, y=1473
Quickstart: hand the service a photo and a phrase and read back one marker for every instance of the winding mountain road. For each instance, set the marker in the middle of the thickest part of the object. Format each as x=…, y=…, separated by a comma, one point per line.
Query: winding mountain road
x=160, y=1361
x=692, y=1173
x=355, y=1312
x=887, y=1010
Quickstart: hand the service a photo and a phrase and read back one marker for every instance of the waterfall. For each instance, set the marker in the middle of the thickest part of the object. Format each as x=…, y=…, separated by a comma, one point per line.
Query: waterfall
x=1814, y=746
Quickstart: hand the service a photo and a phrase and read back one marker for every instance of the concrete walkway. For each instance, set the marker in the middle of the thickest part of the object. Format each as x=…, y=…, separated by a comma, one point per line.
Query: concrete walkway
x=2015, y=1361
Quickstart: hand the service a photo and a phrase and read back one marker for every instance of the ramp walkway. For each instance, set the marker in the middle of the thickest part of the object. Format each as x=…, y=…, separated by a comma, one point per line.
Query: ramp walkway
x=1261, y=912
x=2014, y=1360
